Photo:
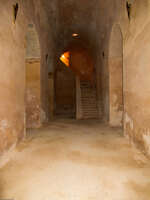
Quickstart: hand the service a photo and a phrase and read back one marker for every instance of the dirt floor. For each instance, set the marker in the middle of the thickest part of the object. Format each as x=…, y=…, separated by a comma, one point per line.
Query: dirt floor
x=75, y=160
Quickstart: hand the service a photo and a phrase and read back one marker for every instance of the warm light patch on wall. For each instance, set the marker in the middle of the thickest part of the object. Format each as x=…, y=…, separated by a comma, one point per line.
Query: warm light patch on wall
x=75, y=34
x=65, y=58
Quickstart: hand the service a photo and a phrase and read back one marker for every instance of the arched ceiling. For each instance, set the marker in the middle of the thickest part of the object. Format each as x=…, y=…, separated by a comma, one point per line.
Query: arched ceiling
x=76, y=17
x=61, y=19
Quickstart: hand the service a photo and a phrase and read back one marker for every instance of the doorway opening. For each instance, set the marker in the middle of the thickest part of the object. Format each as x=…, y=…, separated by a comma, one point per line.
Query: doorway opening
x=65, y=88
x=75, y=86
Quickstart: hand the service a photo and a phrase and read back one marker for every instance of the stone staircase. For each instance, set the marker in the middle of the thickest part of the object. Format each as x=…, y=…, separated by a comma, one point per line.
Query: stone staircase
x=88, y=100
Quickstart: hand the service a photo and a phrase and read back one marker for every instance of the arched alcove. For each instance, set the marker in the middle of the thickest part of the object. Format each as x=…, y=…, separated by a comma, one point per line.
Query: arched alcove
x=115, y=63
x=33, y=82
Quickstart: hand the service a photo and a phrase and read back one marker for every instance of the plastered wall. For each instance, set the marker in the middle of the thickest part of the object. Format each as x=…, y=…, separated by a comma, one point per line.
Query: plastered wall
x=33, y=80
x=12, y=70
x=51, y=25
x=137, y=81
x=115, y=66
x=33, y=101
x=135, y=30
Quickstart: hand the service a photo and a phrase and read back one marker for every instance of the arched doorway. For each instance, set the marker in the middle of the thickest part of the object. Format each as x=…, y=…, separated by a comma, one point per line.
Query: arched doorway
x=75, y=85
x=115, y=63
x=65, y=88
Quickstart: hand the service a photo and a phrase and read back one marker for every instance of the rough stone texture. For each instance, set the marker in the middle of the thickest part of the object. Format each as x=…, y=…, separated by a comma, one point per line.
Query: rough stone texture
x=32, y=43
x=43, y=15
x=115, y=65
x=12, y=70
x=33, y=79
x=105, y=22
x=136, y=63
x=115, y=92
x=33, y=104
x=136, y=38
x=86, y=100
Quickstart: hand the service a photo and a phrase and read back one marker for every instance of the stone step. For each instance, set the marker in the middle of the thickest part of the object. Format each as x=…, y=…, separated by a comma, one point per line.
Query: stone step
x=89, y=100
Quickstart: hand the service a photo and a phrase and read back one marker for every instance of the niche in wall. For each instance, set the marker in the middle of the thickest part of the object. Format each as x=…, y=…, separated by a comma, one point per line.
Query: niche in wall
x=115, y=61
x=128, y=7
x=15, y=12
x=33, y=78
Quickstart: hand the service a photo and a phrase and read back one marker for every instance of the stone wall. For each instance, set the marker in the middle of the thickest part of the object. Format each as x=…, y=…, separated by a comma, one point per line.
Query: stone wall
x=135, y=28
x=12, y=70
x=115, y=66
x=94, y=24
x=32, y=43
x=33, y=80
x=137, y=80
x=33, y=100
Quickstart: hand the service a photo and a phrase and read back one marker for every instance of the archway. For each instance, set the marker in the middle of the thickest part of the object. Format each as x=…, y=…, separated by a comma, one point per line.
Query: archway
x=115, y=63
x=65, y=88
x=75, y=85
x=33, y=82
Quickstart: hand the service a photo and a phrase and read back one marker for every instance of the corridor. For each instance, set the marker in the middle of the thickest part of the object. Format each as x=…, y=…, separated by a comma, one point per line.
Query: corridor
x=75, y=160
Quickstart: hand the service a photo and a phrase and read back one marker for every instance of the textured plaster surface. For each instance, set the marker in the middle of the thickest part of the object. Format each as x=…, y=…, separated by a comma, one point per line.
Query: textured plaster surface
x=136, y=37
x=12, y=70
x=33, y=79
x=33, y=87
x=137, y=90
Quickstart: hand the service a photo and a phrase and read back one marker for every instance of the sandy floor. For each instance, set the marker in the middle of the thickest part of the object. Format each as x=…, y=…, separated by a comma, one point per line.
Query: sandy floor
x=70, y=160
